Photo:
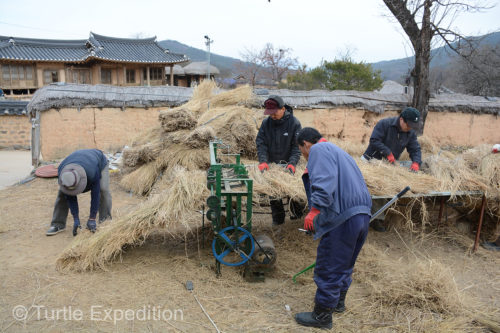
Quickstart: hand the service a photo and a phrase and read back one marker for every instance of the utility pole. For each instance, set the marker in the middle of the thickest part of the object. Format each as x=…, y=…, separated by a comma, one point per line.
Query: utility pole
x=208, y=41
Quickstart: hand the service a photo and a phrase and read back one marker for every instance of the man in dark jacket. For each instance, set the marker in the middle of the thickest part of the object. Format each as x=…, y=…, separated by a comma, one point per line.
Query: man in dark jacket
x=82, y=171
x=276, y=143
x=390, y=137
x=339, y=214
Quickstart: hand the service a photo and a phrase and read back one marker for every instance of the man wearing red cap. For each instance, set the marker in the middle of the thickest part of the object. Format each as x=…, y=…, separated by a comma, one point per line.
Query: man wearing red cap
x=276, y=143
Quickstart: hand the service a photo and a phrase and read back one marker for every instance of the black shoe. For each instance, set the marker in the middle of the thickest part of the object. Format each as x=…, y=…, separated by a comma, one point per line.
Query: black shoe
x=378, y=225
x=320, y=317
x=54, y=229
x=91, y=225
x=341, y=304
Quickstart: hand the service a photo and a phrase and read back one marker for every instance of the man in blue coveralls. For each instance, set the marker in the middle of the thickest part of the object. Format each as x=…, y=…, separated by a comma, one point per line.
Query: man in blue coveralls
x=340, y=206
x=82, y=171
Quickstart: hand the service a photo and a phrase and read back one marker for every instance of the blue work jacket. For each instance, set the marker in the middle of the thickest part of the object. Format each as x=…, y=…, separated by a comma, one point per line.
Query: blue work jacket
x=337, y=187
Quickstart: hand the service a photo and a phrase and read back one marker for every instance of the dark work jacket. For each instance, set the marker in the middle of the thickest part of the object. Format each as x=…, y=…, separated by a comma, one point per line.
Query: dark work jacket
x=387, y=137
x=277, y=139
x=93, y=161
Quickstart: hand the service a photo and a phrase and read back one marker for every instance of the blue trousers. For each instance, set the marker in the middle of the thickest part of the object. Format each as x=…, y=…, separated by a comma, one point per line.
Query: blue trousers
x=337, y=252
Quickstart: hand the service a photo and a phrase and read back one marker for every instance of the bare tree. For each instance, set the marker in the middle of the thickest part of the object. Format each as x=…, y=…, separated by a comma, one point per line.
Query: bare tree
x=251, y=65
x=279, y=61
x=422, y=20
x=480, y=74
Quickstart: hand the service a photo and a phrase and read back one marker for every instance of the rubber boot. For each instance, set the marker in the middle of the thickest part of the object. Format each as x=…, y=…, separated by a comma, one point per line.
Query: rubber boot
x=378, y=225
x=277, y=211
x=341, y=304
x=320, y=317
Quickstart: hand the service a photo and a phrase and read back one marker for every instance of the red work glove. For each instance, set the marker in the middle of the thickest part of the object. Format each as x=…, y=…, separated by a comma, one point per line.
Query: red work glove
x=391, y=158
x=414, y=167
x=263, y=166
x=291, y=168
x=308, y=222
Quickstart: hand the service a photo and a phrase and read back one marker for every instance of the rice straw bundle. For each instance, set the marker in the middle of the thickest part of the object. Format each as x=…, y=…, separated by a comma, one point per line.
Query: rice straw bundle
x=236, y=126
x=141, y=180
x=177, y=137
x=237, y=96
x=183, y=156
x=200, y=137
x=454, y=174
x=277, y=182
x=176, y=119
x=202, y=94
x=171, y=210
x=383, y=178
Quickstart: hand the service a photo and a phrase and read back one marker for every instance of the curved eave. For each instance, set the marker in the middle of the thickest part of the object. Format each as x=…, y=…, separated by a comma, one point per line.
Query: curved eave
x=138, y=61
x=43, y=60
x=93, y=58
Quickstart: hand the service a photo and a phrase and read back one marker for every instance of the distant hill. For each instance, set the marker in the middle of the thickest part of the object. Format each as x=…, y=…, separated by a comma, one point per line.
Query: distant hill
x=224, y=64
x=441, y=57
x=391, y=69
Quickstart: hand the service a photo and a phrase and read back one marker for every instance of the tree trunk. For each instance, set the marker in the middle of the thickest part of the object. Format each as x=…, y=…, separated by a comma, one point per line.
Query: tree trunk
x=422, y=46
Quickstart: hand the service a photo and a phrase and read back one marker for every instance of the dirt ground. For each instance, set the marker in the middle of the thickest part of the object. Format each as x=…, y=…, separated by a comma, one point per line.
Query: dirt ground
x=144, y=291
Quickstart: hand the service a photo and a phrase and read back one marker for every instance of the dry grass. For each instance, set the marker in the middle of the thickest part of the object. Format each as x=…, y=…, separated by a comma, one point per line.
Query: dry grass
x=173, y=210
x=141, y=180
x=177, y=119
x=277, y=182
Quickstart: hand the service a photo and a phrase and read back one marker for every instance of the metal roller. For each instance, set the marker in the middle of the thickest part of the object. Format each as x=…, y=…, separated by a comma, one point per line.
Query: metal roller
x=262, y=261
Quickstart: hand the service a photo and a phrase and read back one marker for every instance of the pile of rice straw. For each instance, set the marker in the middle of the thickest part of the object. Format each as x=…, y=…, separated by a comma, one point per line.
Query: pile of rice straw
x=169, y=162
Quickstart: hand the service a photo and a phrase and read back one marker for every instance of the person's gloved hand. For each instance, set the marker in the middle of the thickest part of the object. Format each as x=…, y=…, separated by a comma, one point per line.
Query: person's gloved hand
x=414, y=167
x=76, y=225
x=291, y=168
x=91, y=225
x=263, y=166
x=309, y=220
x=391, y=158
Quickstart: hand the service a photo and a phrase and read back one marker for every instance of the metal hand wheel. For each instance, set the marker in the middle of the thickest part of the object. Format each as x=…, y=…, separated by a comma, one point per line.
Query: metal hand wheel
x=233, y=240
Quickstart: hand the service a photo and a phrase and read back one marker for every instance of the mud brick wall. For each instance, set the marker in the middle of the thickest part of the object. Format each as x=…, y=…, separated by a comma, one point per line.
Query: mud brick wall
x=444, y=128
x=15, y=132
x=109, y=129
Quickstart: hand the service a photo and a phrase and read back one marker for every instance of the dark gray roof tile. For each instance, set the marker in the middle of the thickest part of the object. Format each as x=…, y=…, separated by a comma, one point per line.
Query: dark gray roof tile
x=10, y=108
x=145, y=50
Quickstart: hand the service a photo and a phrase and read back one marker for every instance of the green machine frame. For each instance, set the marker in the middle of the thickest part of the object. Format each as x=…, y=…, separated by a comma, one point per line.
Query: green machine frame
x=231, y=189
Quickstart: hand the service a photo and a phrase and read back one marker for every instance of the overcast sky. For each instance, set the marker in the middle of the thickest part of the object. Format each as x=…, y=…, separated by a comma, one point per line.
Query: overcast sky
x=313, y=29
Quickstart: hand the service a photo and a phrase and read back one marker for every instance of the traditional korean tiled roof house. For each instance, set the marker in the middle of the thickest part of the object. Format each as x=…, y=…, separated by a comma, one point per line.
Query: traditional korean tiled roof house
x=196, y=72
x=28, y=64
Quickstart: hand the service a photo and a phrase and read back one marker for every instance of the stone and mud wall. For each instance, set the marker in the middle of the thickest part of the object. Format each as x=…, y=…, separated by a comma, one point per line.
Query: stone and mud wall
x=109, y=129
